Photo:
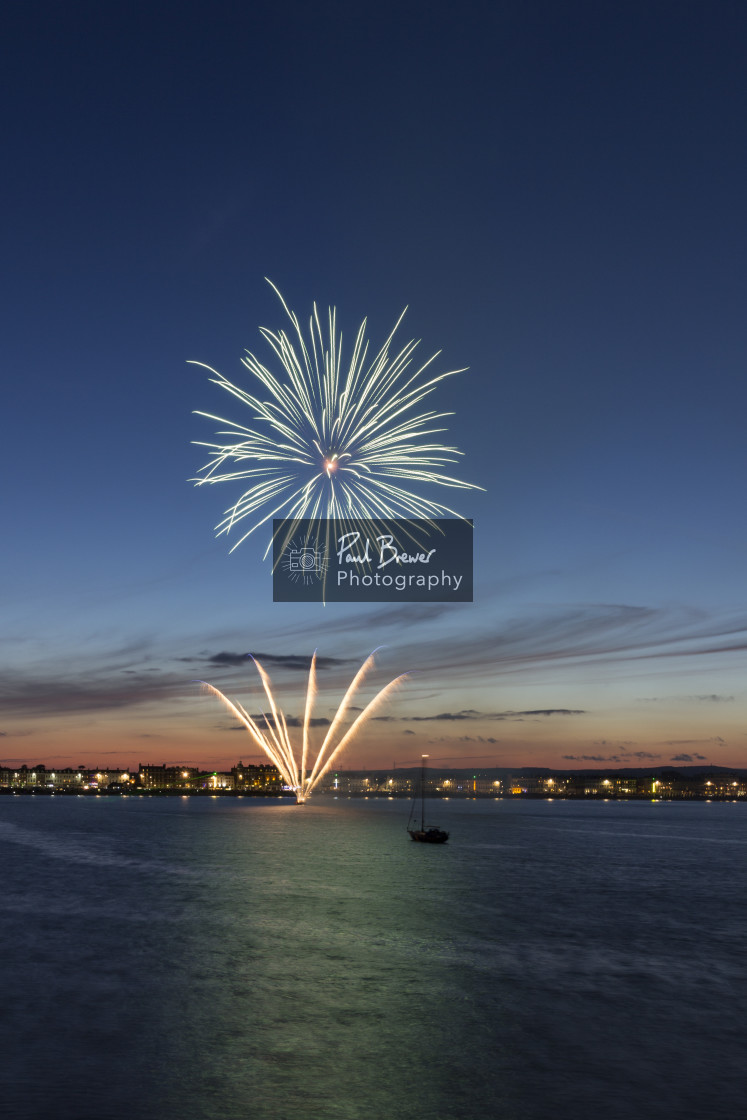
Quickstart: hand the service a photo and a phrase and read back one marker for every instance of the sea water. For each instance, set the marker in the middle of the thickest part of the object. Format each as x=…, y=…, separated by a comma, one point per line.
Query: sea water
x=216, y=959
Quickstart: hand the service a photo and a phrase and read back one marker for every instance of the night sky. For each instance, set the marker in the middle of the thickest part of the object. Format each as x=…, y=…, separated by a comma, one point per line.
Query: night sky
x=555, y=190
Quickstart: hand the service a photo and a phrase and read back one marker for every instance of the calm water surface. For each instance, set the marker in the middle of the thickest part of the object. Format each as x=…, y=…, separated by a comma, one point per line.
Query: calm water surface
x=183, y=959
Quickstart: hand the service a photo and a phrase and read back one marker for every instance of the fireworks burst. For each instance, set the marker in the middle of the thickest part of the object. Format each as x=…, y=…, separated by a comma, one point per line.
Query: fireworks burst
x=273, y=738
x=341, y=436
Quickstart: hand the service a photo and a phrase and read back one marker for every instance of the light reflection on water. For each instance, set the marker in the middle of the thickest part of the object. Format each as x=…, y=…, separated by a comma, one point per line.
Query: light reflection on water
x=192, y=959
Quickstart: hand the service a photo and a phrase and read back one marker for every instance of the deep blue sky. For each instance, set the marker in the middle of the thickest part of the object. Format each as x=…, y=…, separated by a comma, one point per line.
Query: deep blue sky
x=555, y=190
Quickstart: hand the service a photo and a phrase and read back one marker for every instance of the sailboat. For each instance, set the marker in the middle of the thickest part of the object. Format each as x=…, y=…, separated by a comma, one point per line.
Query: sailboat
x=425, y=835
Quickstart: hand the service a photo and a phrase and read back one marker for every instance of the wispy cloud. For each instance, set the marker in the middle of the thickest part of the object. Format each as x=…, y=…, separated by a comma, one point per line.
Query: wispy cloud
x=582, y=635
x=293, y=661
x=91, y=691
x=123, y=679
x=472, y=714
x=621, y=745
x=626, y=756
x=391, y=619
x=712, y=698
x=451, y=757
x=264, y=720
x=693, y=742
x=537, y=641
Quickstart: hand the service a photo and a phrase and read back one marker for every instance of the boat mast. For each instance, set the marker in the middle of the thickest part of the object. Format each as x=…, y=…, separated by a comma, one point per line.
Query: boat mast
x=422, y=793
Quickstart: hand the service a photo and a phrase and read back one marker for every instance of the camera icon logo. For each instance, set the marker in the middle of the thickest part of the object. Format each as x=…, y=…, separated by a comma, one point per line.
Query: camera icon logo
x=305, y=560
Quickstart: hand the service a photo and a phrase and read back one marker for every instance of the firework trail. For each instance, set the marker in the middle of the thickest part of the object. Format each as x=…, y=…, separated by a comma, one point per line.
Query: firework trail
x=338, y=436
x=270, y=732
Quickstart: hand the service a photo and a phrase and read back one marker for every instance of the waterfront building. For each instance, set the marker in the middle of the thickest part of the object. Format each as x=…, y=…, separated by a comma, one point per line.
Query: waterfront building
x=167, y=777
x=263, y=776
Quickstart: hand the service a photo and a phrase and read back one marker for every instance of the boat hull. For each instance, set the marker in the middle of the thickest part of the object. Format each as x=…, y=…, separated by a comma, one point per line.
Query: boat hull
x=428, y=835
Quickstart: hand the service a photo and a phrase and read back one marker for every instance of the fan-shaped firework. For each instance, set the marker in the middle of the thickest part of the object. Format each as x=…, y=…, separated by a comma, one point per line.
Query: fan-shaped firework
x=302, y=775
x=341, y=435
